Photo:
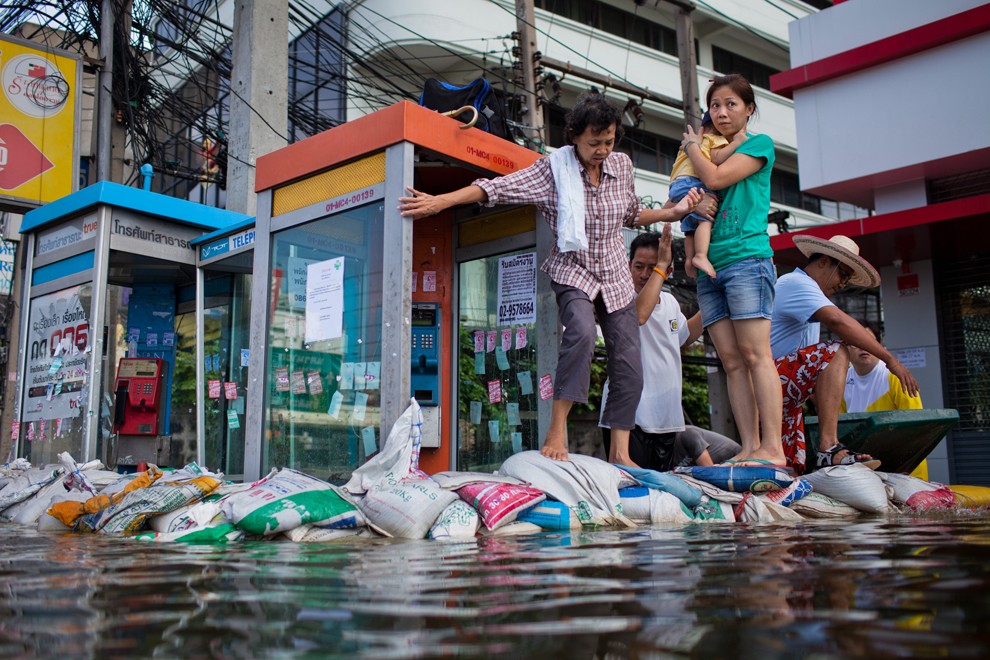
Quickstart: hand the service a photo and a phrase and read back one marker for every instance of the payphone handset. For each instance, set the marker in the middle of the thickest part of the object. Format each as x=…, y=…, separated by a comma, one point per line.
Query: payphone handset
x=425, y=380
x=138, y=392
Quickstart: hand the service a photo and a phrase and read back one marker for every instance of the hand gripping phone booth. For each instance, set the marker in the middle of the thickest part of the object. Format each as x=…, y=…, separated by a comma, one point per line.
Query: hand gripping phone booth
x=355, y=309
x=108, y=366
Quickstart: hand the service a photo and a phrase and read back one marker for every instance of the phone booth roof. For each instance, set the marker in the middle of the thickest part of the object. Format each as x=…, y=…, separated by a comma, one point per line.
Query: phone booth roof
x=440, y=138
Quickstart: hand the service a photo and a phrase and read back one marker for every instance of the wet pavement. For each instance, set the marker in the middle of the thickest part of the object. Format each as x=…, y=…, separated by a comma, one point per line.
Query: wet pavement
x=872, y=588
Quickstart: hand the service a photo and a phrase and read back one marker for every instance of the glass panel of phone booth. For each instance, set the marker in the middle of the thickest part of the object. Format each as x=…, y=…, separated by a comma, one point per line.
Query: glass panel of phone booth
x=322, y=397
x=489, y=431
x=56, y=368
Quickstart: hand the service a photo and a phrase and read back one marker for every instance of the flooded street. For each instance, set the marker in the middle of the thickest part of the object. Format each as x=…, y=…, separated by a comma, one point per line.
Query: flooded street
x=899, y=587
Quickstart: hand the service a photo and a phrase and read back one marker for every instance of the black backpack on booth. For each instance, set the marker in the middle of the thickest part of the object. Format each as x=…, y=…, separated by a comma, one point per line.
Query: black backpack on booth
x=443, y=97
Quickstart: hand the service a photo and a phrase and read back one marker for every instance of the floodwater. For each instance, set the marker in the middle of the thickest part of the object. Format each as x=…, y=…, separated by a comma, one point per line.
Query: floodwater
x=875, y=588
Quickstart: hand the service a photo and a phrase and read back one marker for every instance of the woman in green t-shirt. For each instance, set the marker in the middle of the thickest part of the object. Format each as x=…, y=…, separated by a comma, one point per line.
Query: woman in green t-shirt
x=737, y=304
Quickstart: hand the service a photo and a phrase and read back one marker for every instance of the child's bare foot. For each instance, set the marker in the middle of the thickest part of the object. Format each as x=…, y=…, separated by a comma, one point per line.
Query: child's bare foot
x=691, y=271
x=701, y=262
x=555, y=446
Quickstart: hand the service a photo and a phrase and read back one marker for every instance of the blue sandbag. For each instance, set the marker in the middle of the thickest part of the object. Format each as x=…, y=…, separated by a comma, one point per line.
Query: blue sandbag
x=551, y=515
x=739, y=479
x=690, y=495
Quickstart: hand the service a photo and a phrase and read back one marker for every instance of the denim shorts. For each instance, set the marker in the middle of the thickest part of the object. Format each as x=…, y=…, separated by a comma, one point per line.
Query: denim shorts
x=743, y=290
x=680, y=187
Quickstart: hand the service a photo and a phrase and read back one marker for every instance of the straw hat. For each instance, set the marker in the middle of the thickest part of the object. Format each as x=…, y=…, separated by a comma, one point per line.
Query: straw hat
x=843, y=249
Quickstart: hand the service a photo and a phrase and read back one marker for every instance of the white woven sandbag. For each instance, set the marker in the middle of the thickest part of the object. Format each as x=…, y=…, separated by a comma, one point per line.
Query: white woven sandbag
x=119, y=484
x=667, y=508
x=200, y=514
x=710, y=490
x=314, y=534
x=817, y=505
x=636, y=504
x=904, y=485
x=453, y=480
x=47, y=523
x=404, y=509
x=781, y=513
x=514, y=528
x=399, y=456
x=30, y=510
x=27, y=484
x=855, y=485
x=458, y=521
x=589, y=486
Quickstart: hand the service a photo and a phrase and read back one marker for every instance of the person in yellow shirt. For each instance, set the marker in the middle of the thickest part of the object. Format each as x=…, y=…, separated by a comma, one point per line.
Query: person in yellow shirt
x=870, y=387
x=697, y=228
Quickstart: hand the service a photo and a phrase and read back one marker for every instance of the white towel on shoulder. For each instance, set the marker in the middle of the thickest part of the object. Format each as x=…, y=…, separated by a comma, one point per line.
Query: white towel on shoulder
x=571, y=236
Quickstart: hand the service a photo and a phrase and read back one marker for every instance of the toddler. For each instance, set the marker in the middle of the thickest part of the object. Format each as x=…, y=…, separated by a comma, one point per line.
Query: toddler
x=698, y=229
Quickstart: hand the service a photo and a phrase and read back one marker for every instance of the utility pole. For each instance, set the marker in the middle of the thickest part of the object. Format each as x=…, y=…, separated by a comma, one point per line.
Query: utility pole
x=259, y=94
x=529, y=57
x=689, y=62
x=105, y=108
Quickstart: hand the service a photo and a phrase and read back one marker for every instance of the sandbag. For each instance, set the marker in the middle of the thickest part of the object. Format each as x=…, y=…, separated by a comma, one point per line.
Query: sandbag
x=855, y=485
x=551, y=515
x=903, y=486
x=287, y=500
x=314, y=534
x=713, y=511
x=818, y=505
x=787, y=496
x=664, y=482
x=27, y=484
x=756, y=479
x=30, y=510
x=499, y=504
x=69, y=512
x=588, y=485
x=48, y=522
x=132, y=512
x=514, y=528
x=713, y=492
x=200, y=514
x=666, y=508
x=636, y=504
x=223, y=533
x=453, y=480
x=458, y=521
x=404, y=509
x=779, y=512
x=399, y=457
x=941, y=498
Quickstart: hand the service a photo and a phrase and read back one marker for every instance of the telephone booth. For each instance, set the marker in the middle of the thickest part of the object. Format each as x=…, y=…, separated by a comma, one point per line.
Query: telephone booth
x=356, y=309
x=107, y=365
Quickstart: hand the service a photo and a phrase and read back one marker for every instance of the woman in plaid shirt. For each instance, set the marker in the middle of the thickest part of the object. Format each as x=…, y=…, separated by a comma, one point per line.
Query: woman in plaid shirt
x=584, y=280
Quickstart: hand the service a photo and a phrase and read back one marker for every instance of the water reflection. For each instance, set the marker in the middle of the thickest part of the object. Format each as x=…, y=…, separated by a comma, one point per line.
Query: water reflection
x=874, y=588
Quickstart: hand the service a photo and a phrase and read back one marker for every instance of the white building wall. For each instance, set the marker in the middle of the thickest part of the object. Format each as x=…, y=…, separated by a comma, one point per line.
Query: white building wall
x=912, y=322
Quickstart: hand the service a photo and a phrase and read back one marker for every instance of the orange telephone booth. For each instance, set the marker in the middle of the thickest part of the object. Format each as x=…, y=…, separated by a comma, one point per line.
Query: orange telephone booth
x=364, y=309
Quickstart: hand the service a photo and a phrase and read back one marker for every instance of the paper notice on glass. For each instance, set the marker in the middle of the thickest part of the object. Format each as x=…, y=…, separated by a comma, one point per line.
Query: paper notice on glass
x=490, y=343
x=516, y=442
x=41, y=428
x=55, y=366
x=494, y=391
x=315, y=382
x=216, y=362
x=347, y=376
x=325, y=300
x=151, y=339
x=360, y=369
x=298, y=278
x=58, y=349
x=912, y=358
x=281, y=379
x=133, y=334
x=512, y=410
x=546, y=387
x=15, y=431
x=507, y=339
x=517, y=289
x=525, y=382
x=476, y=412
x=245, y=356
x=214, y=386
x=360, y=406
x=370, y=442
x=479, y=364
x=520, y=338
x=298, y=382
x=58, y=427
x=479, y=342
x=335, y=402
x=372, y=376
x=168, y=339
x=493, y=431
x=232, y=421
x=230, y=391
x=429, y=280
x=501, y=358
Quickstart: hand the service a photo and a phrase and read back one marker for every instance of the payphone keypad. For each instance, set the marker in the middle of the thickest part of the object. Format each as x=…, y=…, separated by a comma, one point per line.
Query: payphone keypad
x=425, y=376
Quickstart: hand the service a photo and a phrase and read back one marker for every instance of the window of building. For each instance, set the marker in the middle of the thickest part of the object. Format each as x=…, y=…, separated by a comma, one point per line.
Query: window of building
x=615, y=21
x=959, y=186
x=726, y=62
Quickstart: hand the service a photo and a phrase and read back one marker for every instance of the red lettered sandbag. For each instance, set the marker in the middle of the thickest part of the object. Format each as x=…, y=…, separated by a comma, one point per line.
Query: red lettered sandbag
x=499, y=504
x=943, y=498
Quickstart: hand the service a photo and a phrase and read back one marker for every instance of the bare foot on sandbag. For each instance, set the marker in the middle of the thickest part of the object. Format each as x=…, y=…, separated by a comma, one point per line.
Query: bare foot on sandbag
x=555, y=446
x=622, y=460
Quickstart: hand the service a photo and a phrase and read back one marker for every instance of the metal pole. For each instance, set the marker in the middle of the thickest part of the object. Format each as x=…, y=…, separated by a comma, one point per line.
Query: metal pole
x=689, y=67
x=201, y=400
x=105, y=121
x=533, y=113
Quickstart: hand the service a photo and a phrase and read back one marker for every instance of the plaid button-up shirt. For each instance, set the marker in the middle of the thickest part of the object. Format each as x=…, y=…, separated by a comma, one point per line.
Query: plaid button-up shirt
x=603, y=268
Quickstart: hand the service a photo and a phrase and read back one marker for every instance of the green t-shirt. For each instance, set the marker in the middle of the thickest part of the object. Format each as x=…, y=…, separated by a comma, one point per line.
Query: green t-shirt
x=740, y=229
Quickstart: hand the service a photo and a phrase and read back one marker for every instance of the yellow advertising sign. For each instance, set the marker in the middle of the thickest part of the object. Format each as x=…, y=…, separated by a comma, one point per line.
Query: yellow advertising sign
x=39, y=110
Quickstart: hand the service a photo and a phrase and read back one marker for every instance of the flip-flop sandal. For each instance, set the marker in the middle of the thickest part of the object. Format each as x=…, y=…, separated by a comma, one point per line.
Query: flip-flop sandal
x=827, y=458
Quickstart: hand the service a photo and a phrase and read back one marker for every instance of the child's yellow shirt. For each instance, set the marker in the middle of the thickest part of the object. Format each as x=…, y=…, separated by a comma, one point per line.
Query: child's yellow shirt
x=683, y=166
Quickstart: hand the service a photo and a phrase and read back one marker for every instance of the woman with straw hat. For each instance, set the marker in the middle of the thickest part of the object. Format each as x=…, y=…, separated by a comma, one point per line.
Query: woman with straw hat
x=808, y=366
